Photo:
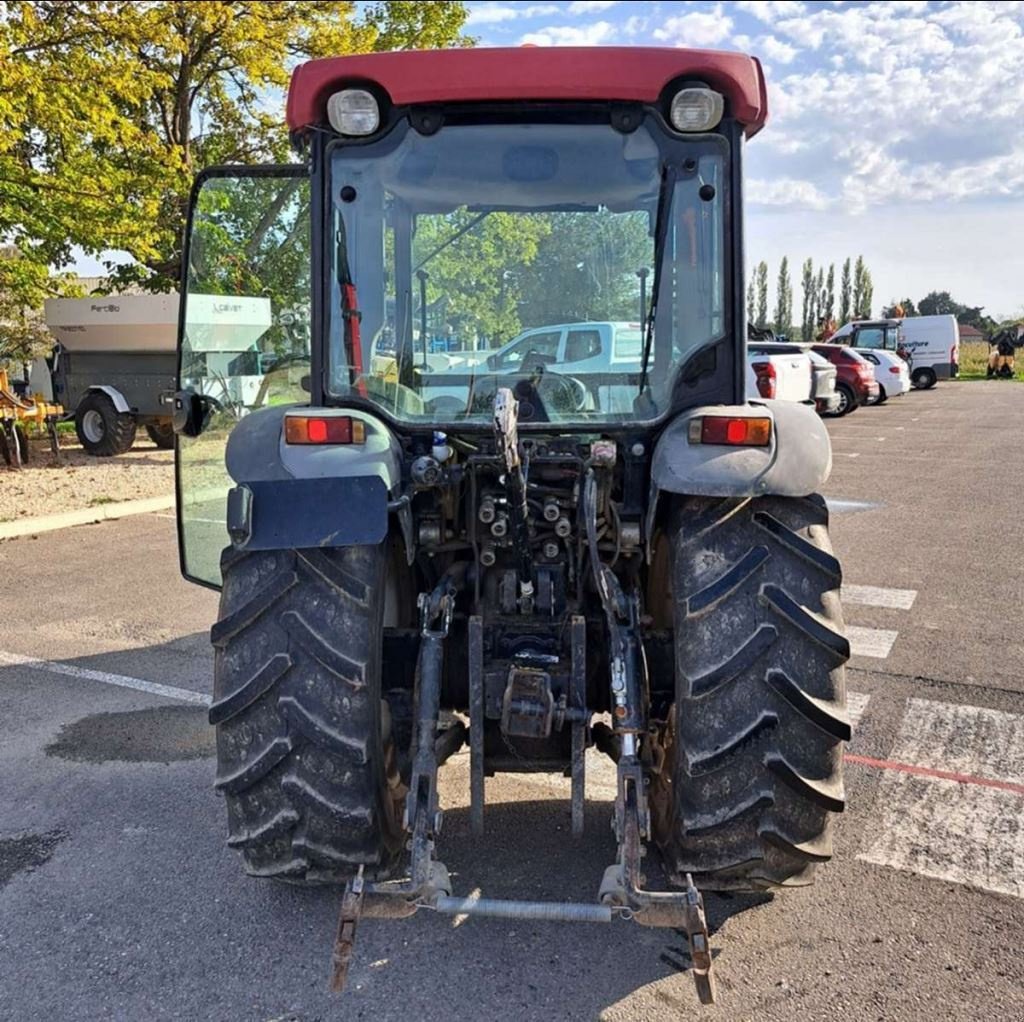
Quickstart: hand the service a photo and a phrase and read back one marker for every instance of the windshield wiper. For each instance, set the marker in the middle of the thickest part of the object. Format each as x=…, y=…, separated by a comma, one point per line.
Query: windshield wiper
x=668, y=183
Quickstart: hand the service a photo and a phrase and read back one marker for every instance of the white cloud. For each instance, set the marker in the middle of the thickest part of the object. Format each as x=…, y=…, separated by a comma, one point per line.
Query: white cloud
x=590, y=6
x=571, y=35
x=698, y=28
x=493, y=14
x=785, y=192
x=634, y=25
x=767, y=47
x=770, y=11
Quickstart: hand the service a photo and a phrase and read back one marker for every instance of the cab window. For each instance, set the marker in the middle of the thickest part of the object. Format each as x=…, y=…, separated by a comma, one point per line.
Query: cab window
x=582, y=344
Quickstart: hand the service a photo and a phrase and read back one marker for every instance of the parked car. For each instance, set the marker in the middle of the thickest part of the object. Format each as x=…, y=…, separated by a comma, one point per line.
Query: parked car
x=826, y=397
x=892, y=374
x=856, y=383
x=779, y=371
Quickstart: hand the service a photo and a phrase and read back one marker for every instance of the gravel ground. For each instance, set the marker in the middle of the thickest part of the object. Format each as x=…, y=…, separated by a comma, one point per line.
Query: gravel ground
x=80, y=481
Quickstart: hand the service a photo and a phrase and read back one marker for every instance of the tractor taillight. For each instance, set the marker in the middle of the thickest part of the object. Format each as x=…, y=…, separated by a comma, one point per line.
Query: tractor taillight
x=765, y=373
x=326, y=429
x=731, y=431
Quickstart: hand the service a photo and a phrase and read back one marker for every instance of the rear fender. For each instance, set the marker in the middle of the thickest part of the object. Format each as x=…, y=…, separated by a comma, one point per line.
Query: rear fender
x=299, y=496
x=796, y=463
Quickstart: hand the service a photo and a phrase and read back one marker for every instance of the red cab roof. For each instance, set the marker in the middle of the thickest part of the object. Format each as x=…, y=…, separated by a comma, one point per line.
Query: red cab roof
x=622, y=73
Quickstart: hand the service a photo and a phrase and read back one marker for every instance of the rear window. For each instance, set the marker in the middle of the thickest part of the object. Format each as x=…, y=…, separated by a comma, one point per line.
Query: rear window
x=628, y=342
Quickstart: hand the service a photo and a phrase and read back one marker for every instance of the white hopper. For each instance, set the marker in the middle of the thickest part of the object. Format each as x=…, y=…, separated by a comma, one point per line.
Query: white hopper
x=150, y=322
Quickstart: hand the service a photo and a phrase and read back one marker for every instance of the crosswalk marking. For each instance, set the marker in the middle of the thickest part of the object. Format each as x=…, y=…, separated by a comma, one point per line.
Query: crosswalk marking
x=876, y=596
x=871, y=642
x=958, y=827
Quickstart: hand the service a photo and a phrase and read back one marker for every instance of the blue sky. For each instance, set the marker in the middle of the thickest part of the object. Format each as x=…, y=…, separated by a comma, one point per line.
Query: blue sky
x=896, y=129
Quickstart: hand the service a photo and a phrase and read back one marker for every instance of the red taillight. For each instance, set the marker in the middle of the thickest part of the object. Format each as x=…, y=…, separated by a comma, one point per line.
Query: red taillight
x=894, y=369
x=733, y=431
x=326, y=429
x=765, y=374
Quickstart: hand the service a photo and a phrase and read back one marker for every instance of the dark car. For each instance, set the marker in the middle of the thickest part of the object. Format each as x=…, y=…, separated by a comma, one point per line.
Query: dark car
x=856, y=384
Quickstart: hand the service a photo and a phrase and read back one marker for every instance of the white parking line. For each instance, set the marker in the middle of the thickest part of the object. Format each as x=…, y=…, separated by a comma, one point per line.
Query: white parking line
x=875, y=596
x=104, y=677
x=856, y=704
x=952, y=797
x=872, y=642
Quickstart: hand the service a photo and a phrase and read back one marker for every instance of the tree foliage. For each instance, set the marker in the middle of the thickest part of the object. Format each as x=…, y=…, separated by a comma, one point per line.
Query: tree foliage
x=762, y=294
x=108, y=109
x=807, y=286
x=844, y=293
x=783, y=300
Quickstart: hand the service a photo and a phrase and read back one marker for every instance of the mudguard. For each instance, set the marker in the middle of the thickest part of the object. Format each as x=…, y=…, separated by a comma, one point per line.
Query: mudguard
x=120, y=404
x=796, y=463
x=300, y=496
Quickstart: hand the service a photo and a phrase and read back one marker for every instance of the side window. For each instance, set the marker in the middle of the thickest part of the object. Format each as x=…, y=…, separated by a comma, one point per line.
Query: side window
x=628, y=343
x=582, y=344
x=243, y=340
x=545, y=344
x=870, y=337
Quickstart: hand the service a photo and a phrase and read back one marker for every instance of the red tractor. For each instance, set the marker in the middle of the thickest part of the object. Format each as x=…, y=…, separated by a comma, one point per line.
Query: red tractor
x=419, y=545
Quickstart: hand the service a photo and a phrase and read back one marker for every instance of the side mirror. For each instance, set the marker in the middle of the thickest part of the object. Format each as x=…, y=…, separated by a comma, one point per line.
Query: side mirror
x=191, y=412
x=492, y=362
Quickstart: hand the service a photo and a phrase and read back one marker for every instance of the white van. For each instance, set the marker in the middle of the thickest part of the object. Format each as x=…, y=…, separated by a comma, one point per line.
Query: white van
x=931, y=344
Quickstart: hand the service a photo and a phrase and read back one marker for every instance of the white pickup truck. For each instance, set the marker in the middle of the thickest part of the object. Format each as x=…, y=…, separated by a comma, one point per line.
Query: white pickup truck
x=779, y=371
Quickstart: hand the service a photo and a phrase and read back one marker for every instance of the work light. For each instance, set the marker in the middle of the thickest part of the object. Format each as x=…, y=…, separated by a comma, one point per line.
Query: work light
x=696, y=109
x=353, y=112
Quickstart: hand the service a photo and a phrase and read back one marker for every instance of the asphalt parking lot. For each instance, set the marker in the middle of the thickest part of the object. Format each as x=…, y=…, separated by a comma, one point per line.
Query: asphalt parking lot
x=119, y=899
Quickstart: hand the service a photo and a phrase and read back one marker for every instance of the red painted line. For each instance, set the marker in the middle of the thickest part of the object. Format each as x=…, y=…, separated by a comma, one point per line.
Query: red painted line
x=946, y=775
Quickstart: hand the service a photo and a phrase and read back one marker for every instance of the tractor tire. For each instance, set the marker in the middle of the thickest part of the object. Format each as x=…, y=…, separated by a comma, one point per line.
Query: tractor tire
x=305, y=757
x=102, y=430
x=753, y=747
x=162, y=434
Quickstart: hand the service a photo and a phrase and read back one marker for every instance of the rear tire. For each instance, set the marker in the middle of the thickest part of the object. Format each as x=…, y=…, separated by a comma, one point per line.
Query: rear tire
x=753, y=766
x=305, y=757
x=102, y=430
x=162, y=434
x=923, y=379
x=847, y=400
x=882, y=396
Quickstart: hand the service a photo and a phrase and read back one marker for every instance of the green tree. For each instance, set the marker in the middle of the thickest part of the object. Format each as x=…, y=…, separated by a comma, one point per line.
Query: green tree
x=807, y=286
x=476, y=282
x=762, y=294
x=596, y=259
x=783, y=299
x=109, y=108
x=751, y=302
x=829, y=310
x=844, y=294
x=820, y=298
x=857, y=299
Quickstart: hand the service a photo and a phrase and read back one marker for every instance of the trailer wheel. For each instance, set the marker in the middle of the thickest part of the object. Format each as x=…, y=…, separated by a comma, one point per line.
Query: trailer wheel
x=102, y=430
x=18, y=437
x=305, y=756
x=924, y=379
x=753, y=745
x=162, y=434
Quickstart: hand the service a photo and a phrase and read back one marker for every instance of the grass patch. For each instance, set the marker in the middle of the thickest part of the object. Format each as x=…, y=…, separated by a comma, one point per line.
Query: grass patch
x=96, y=501
x=974, y=361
